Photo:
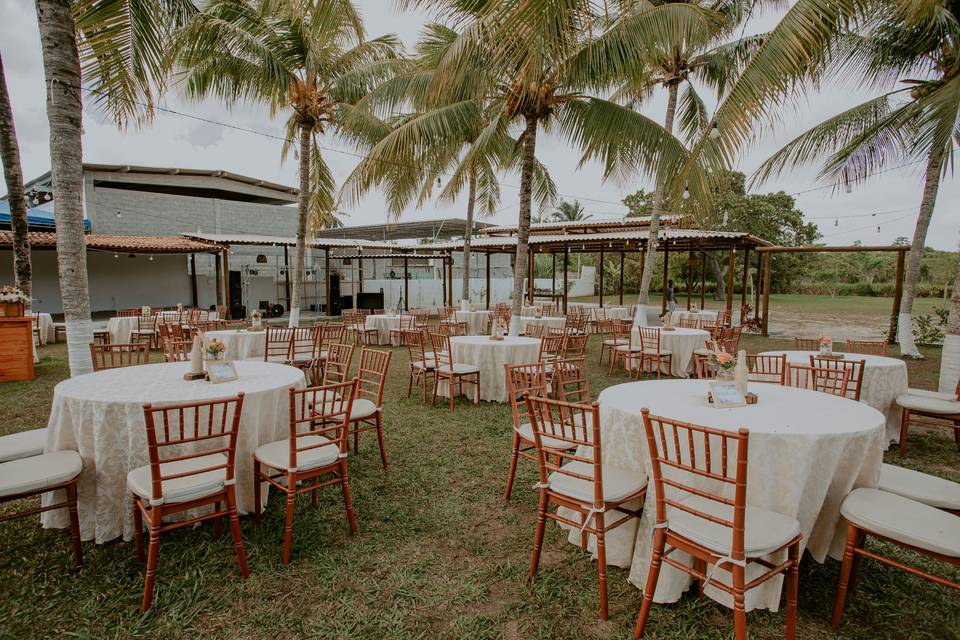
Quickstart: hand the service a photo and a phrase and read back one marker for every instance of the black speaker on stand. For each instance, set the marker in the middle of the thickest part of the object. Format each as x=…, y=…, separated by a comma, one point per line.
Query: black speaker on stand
x=333, y=304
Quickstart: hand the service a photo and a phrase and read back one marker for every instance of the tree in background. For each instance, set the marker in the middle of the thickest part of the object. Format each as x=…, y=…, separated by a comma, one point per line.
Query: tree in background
x=570, y=212
x=13, y=175
x=307, y=58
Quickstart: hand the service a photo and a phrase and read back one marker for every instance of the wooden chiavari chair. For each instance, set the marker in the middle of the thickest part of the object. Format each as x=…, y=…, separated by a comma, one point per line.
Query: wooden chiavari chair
x=313, y=456
x=686, y=322
x=336, y=367
x=730, y=339
x=334, y=332
x=596, y=316
x=421, y=362
x=723, y=318
x=454, y=374
x=127, y=313
x=222, y=311
x=651, y=352
x=613, y=334
x=535, y=329
x=452, y=328
x=446, y=314
x=868, y=347
x=114, y=356
x=522, y=379
x=767, y=368
x=305, y=351
x=576, y=320
x=421, y=318
x=806, y=344
x=575, y=346
x=703, y=467
x=551, y=349
x=175, y=350
x=702, y=368
x=101, y=336
x=277, y=344
x=854, y=369
x=929, y=408
x=146, y=329
x=832, y=381
x=582, y=483
x=367, y=412
x=192, y=448
x=360, y=332
x=626, y=355
x=406, y=324
x=570, y=380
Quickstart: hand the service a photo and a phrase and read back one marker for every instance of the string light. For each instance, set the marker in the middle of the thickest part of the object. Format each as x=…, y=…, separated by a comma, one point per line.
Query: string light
x=714, y=132
x=686, y=193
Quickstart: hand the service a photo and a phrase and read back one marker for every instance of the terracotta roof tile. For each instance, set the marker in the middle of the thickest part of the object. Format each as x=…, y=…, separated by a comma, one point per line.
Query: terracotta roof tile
x=130, y=244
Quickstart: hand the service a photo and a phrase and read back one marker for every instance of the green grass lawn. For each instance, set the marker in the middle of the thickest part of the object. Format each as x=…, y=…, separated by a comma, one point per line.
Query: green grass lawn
x=438, y=554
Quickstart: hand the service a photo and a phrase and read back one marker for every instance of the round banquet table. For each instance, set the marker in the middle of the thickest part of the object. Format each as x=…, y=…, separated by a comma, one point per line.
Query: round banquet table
x=45, y=327
x=241, y=344
x=490, y=356
x=552, y=322
x=476, y=321
x=383, y=323
x=101, y=415
x=883, y=380
x=807, y=451
x=121, y=327
x=702, y=315
x=681, y=343
x=609, y=313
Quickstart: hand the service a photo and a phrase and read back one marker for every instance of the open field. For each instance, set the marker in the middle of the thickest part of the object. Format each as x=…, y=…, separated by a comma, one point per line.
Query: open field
x=438, y=555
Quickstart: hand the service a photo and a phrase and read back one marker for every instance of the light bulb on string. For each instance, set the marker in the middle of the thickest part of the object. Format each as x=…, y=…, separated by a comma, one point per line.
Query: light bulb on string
x=46, y=197
x=714, y=132
x=878, y=228
x=686, y=193
x=35, y=200
x=836, y=222
x=848, y=188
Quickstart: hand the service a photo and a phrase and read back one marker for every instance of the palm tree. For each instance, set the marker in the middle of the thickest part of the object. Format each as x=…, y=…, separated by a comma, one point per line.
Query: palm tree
x=442, y=139
x=307, y=58
x=13, y=175
x=914, y=120
x=570, y=212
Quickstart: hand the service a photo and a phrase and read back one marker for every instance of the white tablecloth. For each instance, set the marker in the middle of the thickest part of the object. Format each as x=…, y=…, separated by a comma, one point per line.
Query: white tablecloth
x=490, y=356
x=883, y=380
x=383, y=323
x=807, y=451
x=702, y=316
x=476, y=321
x=101, y=416
x=609, y=313
x=241, y=344
x=550, y=321
x=682, y=343
x=121, y=327
x=45, y=327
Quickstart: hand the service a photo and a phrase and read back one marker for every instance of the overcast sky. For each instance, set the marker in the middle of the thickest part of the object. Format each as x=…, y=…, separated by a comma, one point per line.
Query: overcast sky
x=890, y=200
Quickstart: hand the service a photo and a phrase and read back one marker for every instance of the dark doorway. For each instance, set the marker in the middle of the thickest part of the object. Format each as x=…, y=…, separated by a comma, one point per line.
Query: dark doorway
x=237, y=309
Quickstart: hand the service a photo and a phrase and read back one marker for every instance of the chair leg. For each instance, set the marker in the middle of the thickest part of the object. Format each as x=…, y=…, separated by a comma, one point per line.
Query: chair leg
x=347, y=500
x=74, y=523
x=793, y=586
x=314, y=498
x=855, y=568
x=601, y=565
x=138, y=530
x=153, y=551
x=257, y=501
x=217, y=525
x=383, y=449
x=478, y=389
x=739, y=602
x=410, y=384
x=845, y=569
x=904, y=427
x=538, y=534
x=653, y=574
x=235, y=531
x=514, y=456
x=288, y=523
x=459, y=389
x=436, y=383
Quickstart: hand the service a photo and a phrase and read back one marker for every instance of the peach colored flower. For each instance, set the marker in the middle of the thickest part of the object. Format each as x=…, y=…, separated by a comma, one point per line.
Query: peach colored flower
x=724, y=358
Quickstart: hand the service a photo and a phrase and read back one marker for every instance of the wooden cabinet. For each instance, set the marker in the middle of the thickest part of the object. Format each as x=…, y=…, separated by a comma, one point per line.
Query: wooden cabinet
x=16, y=349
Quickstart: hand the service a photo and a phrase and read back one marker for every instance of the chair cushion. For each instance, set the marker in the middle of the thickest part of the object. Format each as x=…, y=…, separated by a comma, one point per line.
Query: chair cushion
x=654, y=352
x=923, y=393
x=904, y=520
x=928, y=405
x=22, y=445
x=922, y=487
x=139, y=481
x=362, y=408
x=612, y=342
x=420, y=364
x=632, y=348
x=701, y=352
x=459, y=369
x=764, y=531
x=36, y=472
x=618, y=483
x=277, y=454
x=526, y=433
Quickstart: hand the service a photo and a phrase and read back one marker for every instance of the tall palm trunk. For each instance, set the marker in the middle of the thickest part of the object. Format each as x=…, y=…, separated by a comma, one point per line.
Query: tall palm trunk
x=650, y=257
x=950, y=355
x=61, y=68
x=303, y=210
x=915, y=256
x=468, y=233
x=13, y=175
x=523, y=227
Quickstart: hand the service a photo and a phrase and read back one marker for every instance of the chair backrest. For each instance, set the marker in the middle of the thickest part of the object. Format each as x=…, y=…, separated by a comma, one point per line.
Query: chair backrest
x=649, y=338
x=551, y=348
x=702, y=368
x=687, y=322
x=709, y=463
x=535, y=330
x=305, y=344
x=415, y=348
x=176, y=350
x=577, y=425
x=278, y=341
x=320, y=411
x=570, y=380
x=522, y=379
x=148, y=322
x=445, y=313
x=575, y=346
x=222, y=311
x=442, y=351
x=575, y=319
x=187, y=431
x=372, y=374
x=870, y=347
x=421, y=318
x=730, y=338
x=766, y=368
x=453, y=328
x=407, y=321
x=723, y=318
x=854, y=369
x=334, y=332
x=113, y=356
x=336, y=368
x=128, y=313
x=806, y=344
x=832, y=381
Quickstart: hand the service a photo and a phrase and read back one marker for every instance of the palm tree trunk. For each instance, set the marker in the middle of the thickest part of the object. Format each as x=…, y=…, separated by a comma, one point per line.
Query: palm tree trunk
x=303, y=207
x=13, y=175
x=950, y=354
x=915, y=256
x=720, y=276
x=523, y=227
x=643, y=299
x=61, y=67
x=471, y=203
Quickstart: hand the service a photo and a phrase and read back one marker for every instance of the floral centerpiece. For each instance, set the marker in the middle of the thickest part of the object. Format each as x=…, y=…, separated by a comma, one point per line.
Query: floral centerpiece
x=214, y=349
x=12, y=301
x=256, y=320
x=826, y=346
x=722, y=362
x=666, y=320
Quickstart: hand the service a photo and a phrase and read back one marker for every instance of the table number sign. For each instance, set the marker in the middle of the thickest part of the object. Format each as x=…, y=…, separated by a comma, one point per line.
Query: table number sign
x=221, y=371
x=726, y=395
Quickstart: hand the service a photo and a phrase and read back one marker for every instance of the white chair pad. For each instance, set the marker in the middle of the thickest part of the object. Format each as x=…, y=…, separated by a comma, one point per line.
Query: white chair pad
x=459, y=369
x=362, y=408
x=904, y=520
x=764, y=531
x=22, y=445
x=701, y=352
x=654, y=352
x=277, y=454
x=139, y=481
x=36, y=472
x=922, y=487
x=526, y=433
x=929, y=405
x=613, y=342
x=629, y=348
x=923, y=393
x=618, y=483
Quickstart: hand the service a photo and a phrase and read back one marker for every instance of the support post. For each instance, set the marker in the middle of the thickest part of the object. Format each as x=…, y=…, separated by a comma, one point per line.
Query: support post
x=329, y=292
x=530, y=274
x=566, y=259
x=450, y=279
x=553, y=276
x=488, y=279
x=601, y=278
x=406, y=284
x=360, y=269
x=193, y=279
x=218, y=276
x=756, y=283
x=621, y=277
x=744, y=277
x=666, y=274
x=286, y=274
x=897, y=299
x=767, y=260
x=731, y=262
x=443, y=281
x=226, y=282
x=703, y=279
x=689, y=278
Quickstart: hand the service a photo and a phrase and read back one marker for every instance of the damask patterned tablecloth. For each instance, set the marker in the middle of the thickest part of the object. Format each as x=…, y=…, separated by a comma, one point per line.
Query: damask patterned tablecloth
x=476, y=321
x=100, y=415
x=241, y=344
x=490, y=356
x=383, y=323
